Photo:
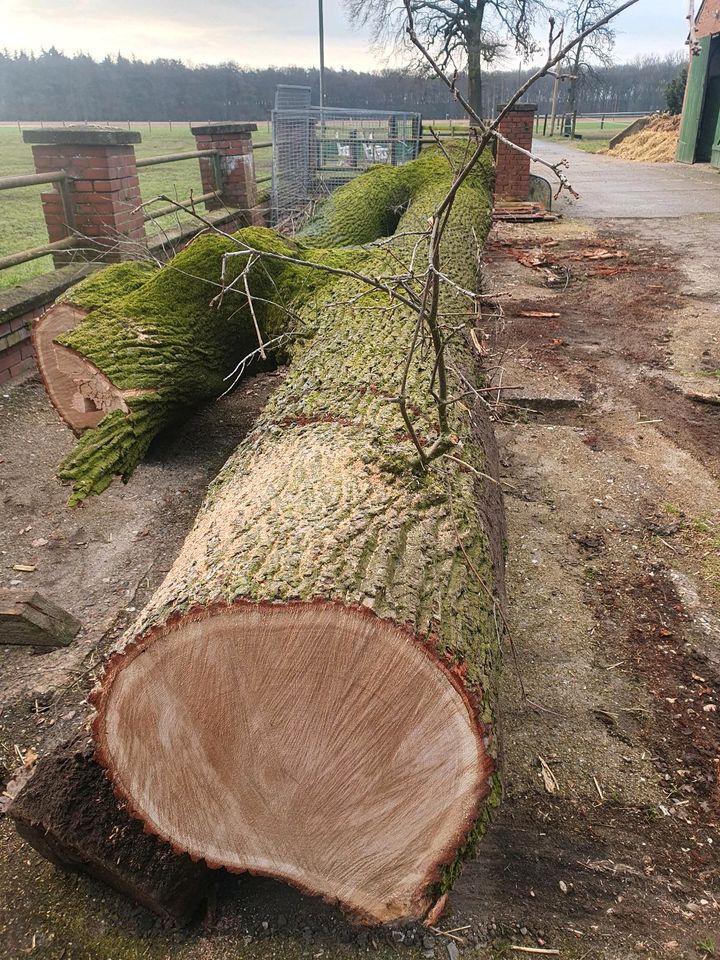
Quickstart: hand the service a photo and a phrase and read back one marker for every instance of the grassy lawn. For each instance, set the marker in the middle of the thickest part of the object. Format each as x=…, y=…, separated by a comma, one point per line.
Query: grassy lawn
x=595, y=137
x=22, y=225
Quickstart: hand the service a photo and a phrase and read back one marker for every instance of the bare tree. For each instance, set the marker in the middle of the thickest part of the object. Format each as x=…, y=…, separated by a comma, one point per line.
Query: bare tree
x=458, y=33
x=594, y=50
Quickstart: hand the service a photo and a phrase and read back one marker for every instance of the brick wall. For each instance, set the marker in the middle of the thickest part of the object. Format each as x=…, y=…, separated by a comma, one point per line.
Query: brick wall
x=16, y=352
x=708, y=19
x=19, y=306
x=512, y=175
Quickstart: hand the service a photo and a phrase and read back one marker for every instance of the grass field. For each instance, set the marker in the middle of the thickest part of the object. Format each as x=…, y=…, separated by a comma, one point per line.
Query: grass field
x=22, y=225
x=594, y=136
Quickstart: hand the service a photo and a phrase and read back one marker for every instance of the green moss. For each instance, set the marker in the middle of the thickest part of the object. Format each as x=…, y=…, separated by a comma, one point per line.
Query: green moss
x=114, y=281
x=168, y=339
x=371, y=205
x=361, y=211
x=452, y=871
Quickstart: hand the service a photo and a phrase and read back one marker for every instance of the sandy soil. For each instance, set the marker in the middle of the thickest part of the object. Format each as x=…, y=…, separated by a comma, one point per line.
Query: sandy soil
x=607, y=843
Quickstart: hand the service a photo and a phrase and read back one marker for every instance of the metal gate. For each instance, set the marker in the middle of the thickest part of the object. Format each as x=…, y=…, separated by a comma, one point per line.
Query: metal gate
x=316, y=150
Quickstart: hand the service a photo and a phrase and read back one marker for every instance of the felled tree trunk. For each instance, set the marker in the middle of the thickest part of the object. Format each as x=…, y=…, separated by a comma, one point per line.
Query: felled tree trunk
x=81, y=393
x=310, y=694
x=128, y=353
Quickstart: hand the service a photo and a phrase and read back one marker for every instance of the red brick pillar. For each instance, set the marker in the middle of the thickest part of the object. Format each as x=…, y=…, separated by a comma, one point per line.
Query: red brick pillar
x=235, y=165
x=512, y=174
x=103, y=192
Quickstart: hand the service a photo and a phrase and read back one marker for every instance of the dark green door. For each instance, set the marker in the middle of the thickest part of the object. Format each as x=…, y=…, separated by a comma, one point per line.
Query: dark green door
x=715, y=156
x=693, y=107
x=711, y=107
x=709, y=122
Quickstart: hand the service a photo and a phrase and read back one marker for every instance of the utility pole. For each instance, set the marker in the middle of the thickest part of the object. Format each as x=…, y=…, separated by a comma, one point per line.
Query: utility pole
x=556, y=86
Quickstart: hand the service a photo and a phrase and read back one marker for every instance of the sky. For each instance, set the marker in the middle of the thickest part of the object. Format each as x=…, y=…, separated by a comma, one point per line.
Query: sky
x=258, y=32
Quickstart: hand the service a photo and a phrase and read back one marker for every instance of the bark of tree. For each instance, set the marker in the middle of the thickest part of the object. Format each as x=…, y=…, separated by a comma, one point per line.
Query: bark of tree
x=572, y=84
x=311, y=693
x=473, y=42
x=66, y=810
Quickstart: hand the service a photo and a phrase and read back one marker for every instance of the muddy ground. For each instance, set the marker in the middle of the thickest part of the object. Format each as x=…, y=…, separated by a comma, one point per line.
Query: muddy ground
x=607, y=843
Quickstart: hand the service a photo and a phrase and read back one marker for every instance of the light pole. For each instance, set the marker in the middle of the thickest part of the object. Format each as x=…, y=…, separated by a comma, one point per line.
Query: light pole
x=321, y=32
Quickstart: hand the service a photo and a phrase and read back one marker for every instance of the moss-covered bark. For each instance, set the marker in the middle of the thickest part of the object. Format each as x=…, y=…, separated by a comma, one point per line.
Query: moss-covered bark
x=156, y=338
x=325, y=502
x=111, y=283
x=159, y=340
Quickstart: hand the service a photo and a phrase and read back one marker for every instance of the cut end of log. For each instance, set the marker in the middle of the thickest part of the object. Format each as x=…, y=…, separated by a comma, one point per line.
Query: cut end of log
x=311, y=742
x=80, y=393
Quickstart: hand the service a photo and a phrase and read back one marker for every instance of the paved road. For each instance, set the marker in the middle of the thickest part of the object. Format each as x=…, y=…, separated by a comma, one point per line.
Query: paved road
x=628, y=189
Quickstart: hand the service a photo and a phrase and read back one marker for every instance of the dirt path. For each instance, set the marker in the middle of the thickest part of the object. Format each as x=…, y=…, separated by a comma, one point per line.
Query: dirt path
x=614, y=567
x=606, y=846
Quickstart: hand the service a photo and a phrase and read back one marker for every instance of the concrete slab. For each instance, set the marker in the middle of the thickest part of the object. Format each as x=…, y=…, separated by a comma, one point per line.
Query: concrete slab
x=628, y=189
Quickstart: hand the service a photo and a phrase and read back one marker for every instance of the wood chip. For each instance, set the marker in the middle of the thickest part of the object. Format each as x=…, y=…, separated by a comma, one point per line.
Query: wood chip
x=24, y=567
x=30, y=619
x=538, y=314
x=597, y=787
x=446, y=933
x=712, y=398
x=543, y=950
x=549, y=778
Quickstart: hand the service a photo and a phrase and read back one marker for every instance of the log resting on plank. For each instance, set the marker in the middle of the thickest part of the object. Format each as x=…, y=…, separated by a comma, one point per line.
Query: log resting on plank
x=310, y=695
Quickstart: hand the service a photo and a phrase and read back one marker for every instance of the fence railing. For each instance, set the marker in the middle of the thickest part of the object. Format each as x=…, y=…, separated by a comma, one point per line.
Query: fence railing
x=57, y=178
x=97, y=201
x=189, y=204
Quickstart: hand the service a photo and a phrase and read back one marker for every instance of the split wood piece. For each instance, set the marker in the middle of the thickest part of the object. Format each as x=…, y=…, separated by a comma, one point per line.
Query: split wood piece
x=80, y=393
x=66, y=810
x=29, y=619
x=310, y=693
x=522, y=211
x=711, y=398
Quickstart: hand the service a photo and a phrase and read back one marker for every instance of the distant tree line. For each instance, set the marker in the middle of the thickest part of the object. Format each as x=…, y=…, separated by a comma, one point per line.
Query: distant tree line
x=54, y=87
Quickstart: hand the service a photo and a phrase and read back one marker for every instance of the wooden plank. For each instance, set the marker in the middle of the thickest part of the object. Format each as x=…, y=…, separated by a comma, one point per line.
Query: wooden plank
x=66, y=810
x=31, y=620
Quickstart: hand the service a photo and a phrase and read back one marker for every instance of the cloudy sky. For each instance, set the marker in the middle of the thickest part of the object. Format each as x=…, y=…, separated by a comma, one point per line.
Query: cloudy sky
x=256, y=32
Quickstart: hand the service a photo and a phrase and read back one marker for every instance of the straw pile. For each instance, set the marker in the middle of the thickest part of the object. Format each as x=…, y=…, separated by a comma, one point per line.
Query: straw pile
x=656, y=143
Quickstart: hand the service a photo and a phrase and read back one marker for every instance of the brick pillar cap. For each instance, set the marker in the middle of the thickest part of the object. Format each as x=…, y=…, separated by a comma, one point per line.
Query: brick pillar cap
x=518, y=108
x=222, y=127
x=83, y=134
